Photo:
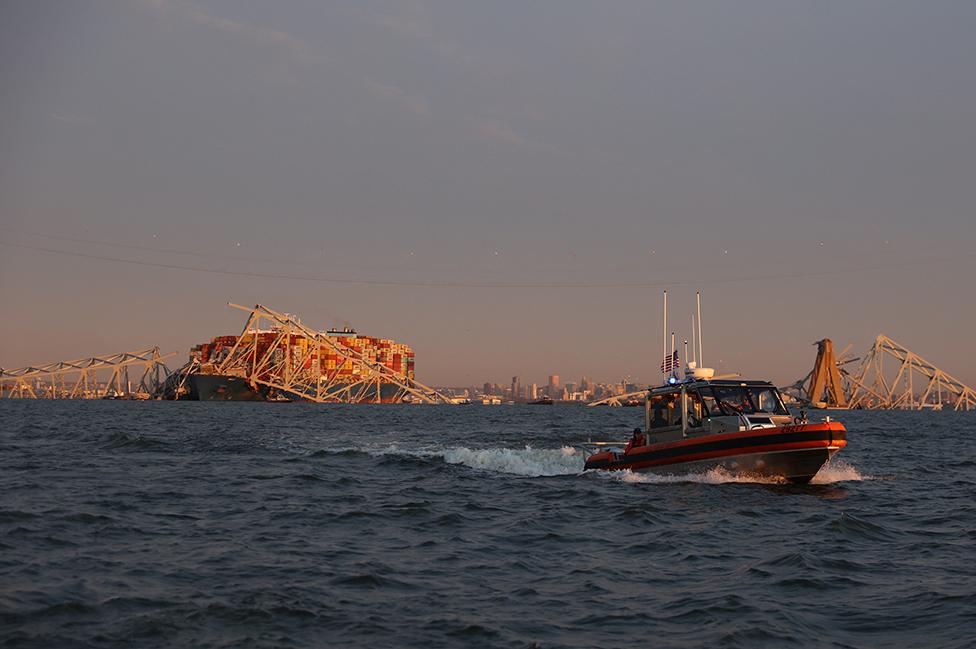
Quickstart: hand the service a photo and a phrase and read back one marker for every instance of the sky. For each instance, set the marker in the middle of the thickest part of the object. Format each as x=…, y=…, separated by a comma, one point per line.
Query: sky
x=506, y=186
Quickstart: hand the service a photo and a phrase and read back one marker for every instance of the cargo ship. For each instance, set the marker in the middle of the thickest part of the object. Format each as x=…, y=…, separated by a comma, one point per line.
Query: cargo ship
x=340, y=375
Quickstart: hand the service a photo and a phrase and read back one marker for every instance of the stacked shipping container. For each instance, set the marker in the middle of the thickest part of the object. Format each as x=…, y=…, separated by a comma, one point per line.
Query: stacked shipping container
x=324, y=361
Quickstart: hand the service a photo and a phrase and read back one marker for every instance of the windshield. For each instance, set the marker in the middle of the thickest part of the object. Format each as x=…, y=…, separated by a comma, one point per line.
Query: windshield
x=767, y=400
x=710, y=405
x=736, y=400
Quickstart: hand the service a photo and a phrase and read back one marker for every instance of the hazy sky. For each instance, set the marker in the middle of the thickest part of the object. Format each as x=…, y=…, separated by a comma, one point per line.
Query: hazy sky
x=520, y=179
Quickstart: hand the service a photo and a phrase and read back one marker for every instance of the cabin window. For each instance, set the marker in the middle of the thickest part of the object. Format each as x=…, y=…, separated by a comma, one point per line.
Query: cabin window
x=709, y=405
x=664, y=411
x=696, y=410
x=767, y=400
x=734, y=400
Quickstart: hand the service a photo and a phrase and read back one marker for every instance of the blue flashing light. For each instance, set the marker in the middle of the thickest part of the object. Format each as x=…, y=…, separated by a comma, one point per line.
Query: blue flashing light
x=672, y=380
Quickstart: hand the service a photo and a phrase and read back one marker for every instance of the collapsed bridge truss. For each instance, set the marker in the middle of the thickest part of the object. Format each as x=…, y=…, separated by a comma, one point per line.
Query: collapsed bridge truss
x=916, y=384
x=889, y=377
x=827, y=384
x=618, y=400
x=78, y=379
x=286, y=364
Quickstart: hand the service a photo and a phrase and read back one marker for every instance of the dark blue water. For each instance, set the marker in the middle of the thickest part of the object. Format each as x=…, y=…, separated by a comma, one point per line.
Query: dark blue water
x=292, y=525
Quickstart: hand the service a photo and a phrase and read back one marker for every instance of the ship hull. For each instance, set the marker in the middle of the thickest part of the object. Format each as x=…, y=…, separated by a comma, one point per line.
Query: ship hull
x=794, y=453
x=219, y=387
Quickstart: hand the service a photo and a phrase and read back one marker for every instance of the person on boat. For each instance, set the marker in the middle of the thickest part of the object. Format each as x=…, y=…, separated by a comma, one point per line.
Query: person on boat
x=745, y=406
x=662, y=407
x=639, y=439
x=694, y=412
x=738, y=403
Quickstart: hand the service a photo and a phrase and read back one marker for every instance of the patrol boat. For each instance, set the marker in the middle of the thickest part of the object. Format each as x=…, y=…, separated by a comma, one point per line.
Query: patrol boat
x=698, y=424
x=702, y=422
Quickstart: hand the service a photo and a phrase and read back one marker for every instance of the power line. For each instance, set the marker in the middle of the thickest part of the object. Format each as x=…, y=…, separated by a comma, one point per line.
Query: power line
x=531, y=285
x=173, y=251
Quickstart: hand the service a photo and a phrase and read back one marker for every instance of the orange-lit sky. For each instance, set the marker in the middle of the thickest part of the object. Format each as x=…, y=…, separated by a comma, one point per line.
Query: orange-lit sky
x=506, y=186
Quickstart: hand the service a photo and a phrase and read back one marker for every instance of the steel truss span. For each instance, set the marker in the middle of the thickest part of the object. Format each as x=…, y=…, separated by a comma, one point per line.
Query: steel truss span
x=78, y=379
x=618, y=400
x=889, y=377
x=279, y=368
x=916, y=384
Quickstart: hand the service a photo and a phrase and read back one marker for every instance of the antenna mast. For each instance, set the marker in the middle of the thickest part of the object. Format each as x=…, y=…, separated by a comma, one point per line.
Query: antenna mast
x=701, y=355
x=664, y=350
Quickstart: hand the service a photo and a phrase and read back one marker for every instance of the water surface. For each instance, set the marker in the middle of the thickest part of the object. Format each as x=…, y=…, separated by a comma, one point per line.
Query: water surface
x=300, y=525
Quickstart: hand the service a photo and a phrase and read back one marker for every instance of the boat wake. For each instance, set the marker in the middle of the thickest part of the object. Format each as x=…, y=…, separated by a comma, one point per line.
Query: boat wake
x=713, y=476
x=542, y=462
x=839, y=471
x=530, y=462
x=527, y=462
x=831, y=473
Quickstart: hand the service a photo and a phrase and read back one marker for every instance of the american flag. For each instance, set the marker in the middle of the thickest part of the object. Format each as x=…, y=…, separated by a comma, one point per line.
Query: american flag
x=670, y=362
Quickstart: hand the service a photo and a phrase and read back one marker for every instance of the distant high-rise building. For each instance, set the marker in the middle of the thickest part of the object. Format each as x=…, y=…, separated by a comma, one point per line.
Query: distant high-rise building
x=554, y=389
x=486, y=389
x=516, y=388
x=533, y=391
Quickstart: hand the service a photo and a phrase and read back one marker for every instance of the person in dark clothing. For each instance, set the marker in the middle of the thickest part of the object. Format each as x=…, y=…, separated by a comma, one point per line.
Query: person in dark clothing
x=639, y=439
x=662, y=407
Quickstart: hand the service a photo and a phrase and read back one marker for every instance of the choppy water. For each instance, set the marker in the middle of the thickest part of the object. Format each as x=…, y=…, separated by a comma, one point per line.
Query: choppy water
x=294, y=525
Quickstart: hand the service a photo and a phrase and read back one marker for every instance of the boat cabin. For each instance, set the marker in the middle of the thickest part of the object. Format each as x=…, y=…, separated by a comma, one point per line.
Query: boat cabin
x=711, y=406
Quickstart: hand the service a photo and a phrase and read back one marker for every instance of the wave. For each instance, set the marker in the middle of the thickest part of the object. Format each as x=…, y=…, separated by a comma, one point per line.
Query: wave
x=529, y=462
x=134, y=441
x=838, y=471
x=852, y=526
x=712, y=476
x=832, y=472
x=14, y=515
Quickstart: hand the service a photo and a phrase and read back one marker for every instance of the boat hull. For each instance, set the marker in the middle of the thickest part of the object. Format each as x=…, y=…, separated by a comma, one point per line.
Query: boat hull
x=219, y=387
x=797, y=467
x=794, y=453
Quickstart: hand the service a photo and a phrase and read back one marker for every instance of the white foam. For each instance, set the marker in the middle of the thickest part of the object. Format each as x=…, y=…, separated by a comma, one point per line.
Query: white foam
x=712, y=476
x=524, y=462
x=838, y=471
x=537, y=462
